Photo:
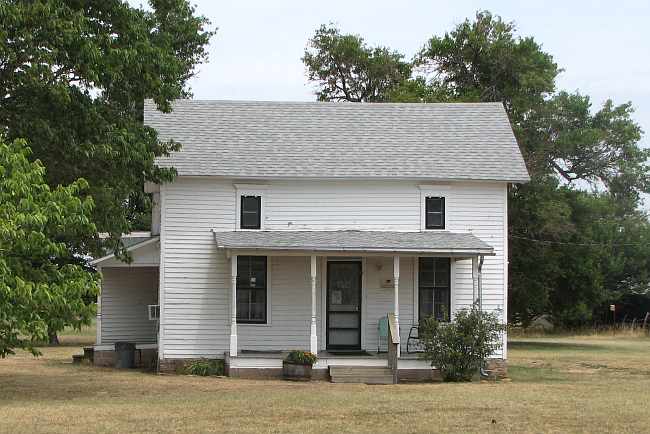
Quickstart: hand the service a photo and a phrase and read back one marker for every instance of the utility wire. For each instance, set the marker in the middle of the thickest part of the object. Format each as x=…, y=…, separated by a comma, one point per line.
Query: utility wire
x=565, y=243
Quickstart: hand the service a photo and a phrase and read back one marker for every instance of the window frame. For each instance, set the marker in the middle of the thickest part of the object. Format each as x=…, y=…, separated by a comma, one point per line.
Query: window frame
x=257, y=190
x=442, y=212
x=258, y=225
x=267, y=307
x=429, y=190
x=416, y=288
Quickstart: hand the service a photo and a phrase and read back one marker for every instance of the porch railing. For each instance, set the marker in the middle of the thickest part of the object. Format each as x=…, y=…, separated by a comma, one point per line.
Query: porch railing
x=393, y=345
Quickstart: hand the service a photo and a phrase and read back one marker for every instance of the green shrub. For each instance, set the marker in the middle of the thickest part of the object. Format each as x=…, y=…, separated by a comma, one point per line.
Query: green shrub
x=301, y=357
x=460, y=348
x=205, y=367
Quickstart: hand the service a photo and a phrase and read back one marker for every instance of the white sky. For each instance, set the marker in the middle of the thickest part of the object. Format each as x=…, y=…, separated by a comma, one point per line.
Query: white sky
x=604, y=46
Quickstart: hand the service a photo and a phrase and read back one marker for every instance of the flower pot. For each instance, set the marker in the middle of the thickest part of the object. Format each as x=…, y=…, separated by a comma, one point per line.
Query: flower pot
x=296, y=372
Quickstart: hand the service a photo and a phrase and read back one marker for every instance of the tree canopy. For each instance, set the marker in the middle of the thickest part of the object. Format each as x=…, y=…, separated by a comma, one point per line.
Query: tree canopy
x=43, y=284
x=347, y=69
x=577, y=233
x=74, y=77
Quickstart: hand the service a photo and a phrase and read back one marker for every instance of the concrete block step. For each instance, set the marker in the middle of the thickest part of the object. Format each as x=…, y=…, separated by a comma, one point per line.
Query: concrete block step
x=361, y=374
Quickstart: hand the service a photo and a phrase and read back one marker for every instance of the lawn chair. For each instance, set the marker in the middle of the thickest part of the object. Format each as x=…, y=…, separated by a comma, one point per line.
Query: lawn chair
x=413, y=341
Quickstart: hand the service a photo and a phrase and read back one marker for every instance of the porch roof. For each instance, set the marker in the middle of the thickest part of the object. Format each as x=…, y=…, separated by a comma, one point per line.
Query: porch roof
x=348, y=241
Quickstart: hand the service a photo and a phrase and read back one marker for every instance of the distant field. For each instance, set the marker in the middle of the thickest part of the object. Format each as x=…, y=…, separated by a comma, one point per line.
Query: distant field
x=567, y=384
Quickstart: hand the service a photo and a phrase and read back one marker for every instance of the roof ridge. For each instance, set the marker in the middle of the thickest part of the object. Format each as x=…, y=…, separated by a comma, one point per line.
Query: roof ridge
x=337, y=103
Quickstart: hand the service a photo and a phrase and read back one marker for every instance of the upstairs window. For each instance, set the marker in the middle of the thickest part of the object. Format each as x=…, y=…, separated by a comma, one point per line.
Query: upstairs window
x=435, y=213
x=251, y=212
x=251, y=289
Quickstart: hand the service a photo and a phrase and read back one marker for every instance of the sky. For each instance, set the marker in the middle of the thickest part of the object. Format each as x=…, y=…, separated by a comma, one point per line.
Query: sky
x=604, y=46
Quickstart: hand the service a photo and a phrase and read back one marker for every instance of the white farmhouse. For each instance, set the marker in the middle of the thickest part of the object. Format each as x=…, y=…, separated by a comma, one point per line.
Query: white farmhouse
x=297, y=225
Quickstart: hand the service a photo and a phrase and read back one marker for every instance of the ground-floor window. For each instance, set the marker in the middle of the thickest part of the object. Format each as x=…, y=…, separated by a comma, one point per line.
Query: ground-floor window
x=434, y=288
x=251, y=289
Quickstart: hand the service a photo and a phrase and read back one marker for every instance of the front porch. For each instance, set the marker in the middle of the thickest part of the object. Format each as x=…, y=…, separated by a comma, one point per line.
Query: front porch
x=351, y=284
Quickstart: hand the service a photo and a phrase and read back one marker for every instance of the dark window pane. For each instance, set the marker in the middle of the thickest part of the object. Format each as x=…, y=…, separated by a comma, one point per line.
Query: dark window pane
x=434, y=204
x=441, y=264
x=434, y=221
x=249, y=221
x=427, y=278
x=426, y=302
x=250, y=203
x=251, y=210
x=442, y=305
x=243, y=310
x=435, y=213
x=434, y=292
x=442, y=279
x=426, y=264
x=251, y=289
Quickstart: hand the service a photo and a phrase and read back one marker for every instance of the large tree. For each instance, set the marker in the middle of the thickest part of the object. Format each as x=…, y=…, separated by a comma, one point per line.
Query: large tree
x=43, y=284
x=347, y=69
x=73, y=79
x=74, y=76
x=557, y=258
x=573, y=227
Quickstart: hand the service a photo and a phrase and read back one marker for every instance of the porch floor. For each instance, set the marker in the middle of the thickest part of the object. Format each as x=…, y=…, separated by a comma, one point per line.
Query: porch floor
x=251, y=354
x=271, y=361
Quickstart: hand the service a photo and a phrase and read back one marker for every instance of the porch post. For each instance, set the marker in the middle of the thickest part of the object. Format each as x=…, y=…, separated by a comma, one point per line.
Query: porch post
x=98, y=320
x=233, y=306
x=474, y=280
x=396, y=286
x=313, y=339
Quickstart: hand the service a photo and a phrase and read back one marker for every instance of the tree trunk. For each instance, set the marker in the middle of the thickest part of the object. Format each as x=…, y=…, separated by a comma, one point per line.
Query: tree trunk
x=53, y=338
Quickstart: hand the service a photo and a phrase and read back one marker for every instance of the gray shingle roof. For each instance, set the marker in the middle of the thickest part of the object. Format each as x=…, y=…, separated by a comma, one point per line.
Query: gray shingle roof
x=463, y=141
x=442, y=242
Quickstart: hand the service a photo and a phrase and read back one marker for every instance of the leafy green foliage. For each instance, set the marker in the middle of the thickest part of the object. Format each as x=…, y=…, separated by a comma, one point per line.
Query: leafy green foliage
x=577, y=236
x=346, y=69
x=482, y=60
x=74, y=77
x=43, y=286
x=204, y=367
x=300, y=357
x=460, y=348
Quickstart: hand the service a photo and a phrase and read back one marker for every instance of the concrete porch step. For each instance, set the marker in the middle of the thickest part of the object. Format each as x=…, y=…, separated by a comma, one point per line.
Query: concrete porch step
x=361, y=374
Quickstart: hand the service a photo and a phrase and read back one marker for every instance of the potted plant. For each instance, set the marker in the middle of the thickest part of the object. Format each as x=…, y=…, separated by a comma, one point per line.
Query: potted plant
x=297, y=365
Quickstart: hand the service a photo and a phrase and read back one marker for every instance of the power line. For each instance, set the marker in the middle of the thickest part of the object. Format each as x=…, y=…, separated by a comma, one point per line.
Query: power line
x=566, y=243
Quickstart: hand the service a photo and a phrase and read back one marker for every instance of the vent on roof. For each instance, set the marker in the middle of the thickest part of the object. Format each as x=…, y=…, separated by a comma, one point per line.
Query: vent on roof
x=154, y=312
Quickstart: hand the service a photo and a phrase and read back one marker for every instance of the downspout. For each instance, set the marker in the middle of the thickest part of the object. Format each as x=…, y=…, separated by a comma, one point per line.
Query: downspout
x=483, y=372
x=480, y=283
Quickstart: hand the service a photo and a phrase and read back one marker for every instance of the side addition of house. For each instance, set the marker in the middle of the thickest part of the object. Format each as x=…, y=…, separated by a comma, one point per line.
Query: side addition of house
x=307, y=226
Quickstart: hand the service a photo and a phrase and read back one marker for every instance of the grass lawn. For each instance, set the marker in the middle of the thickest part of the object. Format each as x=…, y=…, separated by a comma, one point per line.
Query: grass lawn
x=567, y=384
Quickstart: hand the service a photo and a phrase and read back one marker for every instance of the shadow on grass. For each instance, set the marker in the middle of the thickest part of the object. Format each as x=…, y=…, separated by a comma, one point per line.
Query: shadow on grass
x=554, y=346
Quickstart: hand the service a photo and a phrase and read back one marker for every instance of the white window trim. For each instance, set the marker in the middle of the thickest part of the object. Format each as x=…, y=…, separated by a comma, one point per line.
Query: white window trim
x=268, y=322
x=416, y=290
x=433, y=191
x=250, y=190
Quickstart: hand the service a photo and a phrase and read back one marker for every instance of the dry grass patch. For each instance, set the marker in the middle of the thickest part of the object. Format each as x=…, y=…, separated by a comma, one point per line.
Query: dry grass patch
x=559, y=385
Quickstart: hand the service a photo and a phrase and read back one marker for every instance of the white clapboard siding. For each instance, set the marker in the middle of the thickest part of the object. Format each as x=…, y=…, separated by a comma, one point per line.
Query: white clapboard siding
x=331, y=205
x=196, y=275
x=480, y=208
x=381, y=300
x=290, y=310
x=126, y=293
x=195, y=318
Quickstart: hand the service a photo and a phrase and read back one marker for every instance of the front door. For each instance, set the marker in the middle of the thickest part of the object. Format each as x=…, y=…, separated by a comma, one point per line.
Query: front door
x=344, y=305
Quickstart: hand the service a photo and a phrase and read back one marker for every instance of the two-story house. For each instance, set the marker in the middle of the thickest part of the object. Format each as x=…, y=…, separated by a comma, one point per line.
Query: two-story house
x=296, y=225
